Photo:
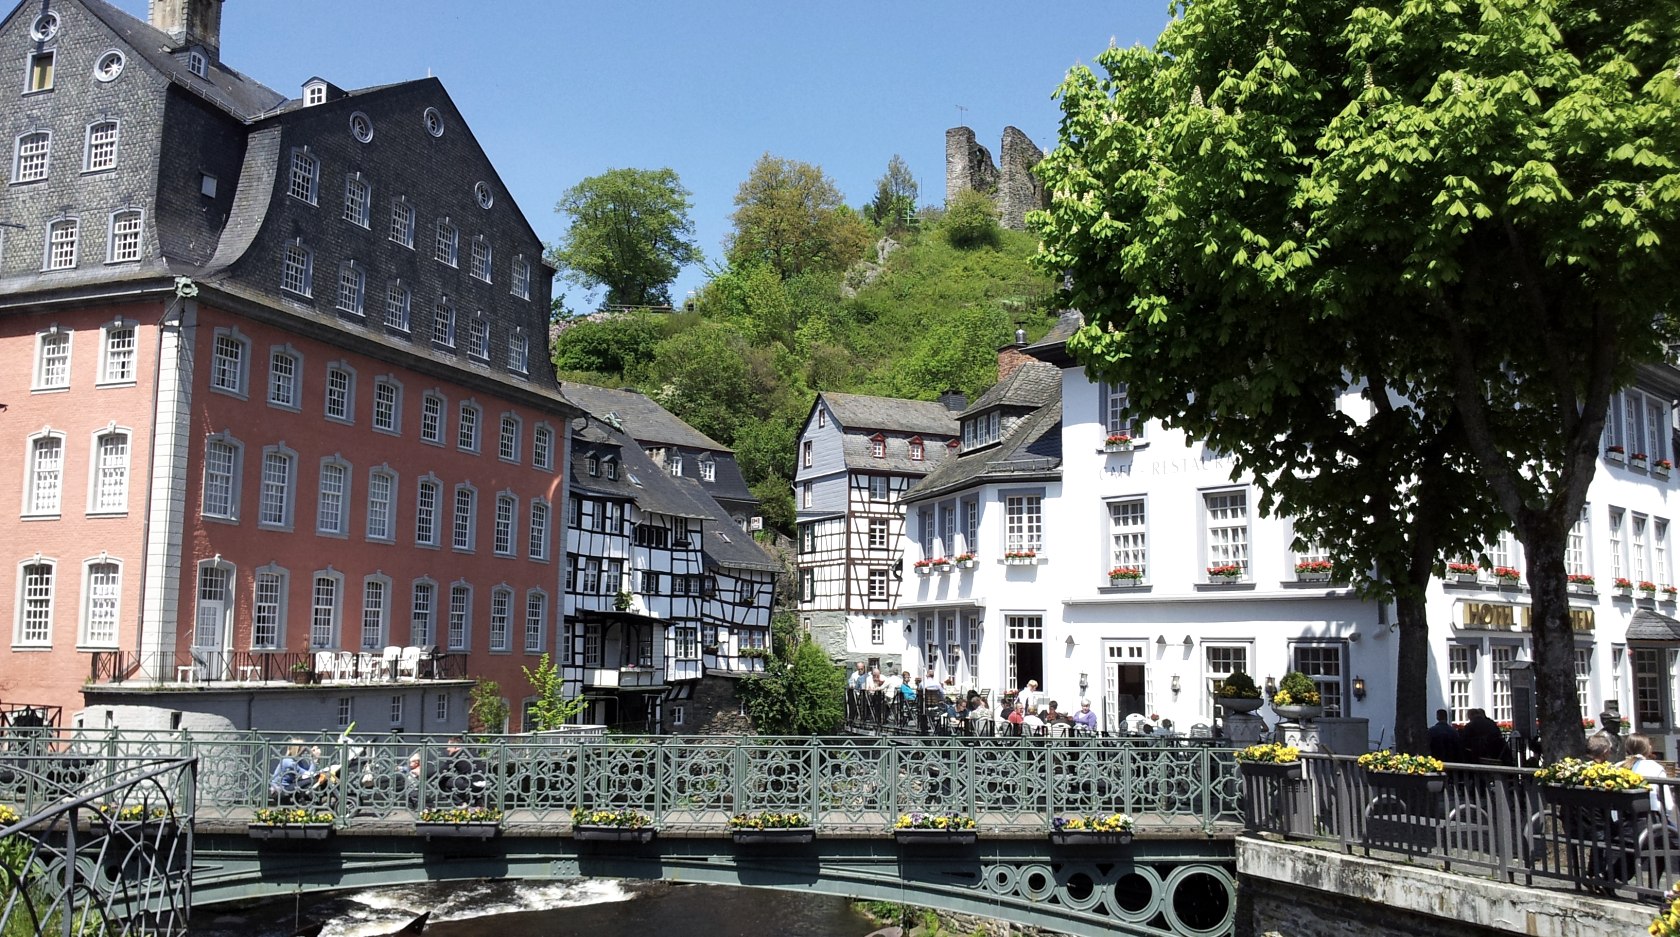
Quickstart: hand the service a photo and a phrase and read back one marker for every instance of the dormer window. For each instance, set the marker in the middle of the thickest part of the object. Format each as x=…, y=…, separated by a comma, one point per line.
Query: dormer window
x=592, y=465
x=200, y=66
x=878, y=446
x=611, y=466
x=314, y=93
x=981, y=430
x=918, y=452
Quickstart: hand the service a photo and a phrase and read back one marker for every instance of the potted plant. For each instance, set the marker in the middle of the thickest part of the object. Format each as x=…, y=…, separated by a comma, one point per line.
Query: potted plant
x=930, y=828
x=941, y=564
x=612, y=826
x=1023, y=557
x=1312, y=571
x=1581, y=582
x=1237, y=693
x=1224, y=572
x=1662, y=468
x=965, y=561
x=1623, y=586
x=710, y=648
x=1506, y=575
x=1639, y=460
x=1115, y=829
x=459, y=822
x=1410, y=778
x=302, y=675
x=290, y=823
x=771, y=827
x=1576, y=783
x=1647, y=588
x=1117, y=442
x=1269, y=760
x=1669, y=593
x=1615, y=454
x=924, y=567
x=622, y=601
x=1125, y=576
x=1297, y=697
x=1464, y=572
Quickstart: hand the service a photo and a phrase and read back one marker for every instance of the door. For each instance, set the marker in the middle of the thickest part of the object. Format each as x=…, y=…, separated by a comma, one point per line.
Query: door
x=210, y=622
x=1125, y=683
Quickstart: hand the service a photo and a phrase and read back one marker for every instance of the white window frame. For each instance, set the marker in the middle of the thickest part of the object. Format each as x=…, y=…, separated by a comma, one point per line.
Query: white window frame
x=481, y=258
x=326, y=618
x=508, y=446
x=236, y=451
x=459, y=623
x=285, y=391
x=339, y=405
x=448, y=247
x=358, y=200
x=297, y=269
x=303, y=180
x=519, y=353
x=381, y=522
x=478, y=337
x=376, y=613
x=399, y=306
x=101, y=601
x=1128, y=531
x=1225, y=541
x=99, y=151
x=43, y=482
x=431, y=417
x=52, y=369
x=443, y=323
x=422, y=618
x=277, y=491
x=502, y=542
x=125, y=236
x=463, y=519
x=501, y=617
x=112, y=500
x=426, y=519
x=332, y=508
x=62, y=249
x=540, y=522
x=536, y=620
x=38, y=79
x=1023, y=521
x=1117, y=413
x=230, y=363
x=387, y=405
x=119, y=352
x=520, y=274
x=402, y=222
x=352, y=288
x=542, y=446
x=36, y=164
x=32, y=625
x=468, y=430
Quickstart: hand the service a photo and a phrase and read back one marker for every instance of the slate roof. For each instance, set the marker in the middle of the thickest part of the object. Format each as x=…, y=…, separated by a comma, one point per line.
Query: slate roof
x=1032, y=450
x=642, y=417
x=241, y=96
x=725, y=543
x=857, y=412
x=1033, y=384
x=1052, y=347
x=639, y=479
x=1648, y=625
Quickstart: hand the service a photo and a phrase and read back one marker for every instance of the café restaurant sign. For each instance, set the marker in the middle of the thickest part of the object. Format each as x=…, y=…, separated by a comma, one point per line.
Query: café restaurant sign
x=1504, y=616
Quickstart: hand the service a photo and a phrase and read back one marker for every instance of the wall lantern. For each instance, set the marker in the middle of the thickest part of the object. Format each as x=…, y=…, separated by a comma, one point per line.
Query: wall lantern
x=1271, y=687
x=1359, y=688
x=1176, y=685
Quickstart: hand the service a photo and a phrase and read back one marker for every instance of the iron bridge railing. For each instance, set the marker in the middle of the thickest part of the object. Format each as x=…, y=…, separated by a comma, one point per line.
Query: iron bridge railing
x=106, y=849
x=840, y=783
x=1481, y=820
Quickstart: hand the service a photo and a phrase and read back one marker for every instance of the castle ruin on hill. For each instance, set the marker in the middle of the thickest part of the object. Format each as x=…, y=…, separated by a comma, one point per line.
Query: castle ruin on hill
x=968, y=165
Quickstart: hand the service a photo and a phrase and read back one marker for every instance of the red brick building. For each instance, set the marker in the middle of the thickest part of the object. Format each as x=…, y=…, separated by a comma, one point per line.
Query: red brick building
x=278, y=389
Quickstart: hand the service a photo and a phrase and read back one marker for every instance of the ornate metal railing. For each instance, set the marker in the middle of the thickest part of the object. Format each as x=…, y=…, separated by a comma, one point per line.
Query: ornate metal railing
x=842, y=783
x=1487, y=819
x=107, y=852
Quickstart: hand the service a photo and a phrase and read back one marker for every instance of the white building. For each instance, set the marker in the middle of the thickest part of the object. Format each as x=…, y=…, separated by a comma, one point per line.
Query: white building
x=1170, y=509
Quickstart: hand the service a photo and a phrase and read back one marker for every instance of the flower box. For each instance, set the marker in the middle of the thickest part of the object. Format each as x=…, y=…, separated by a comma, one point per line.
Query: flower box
x=1089, y=838
x=1662, y=468
x=483, y=830
x=969, y=563
x=1616, y=455
x=1022, y=559
x=1412, y=790
x=1124, y=582
x=1239, y=704
x=271, y=831
x=1312, y=576
x=786, y=836
x=1571, y=797
x=1271, y=769
x=915, y=837
x=1117, y=447
x=1639, y=462
x=942, y=568
x=1298, y=712
x=613, y=834
x=924, y=570
x=1229, y=572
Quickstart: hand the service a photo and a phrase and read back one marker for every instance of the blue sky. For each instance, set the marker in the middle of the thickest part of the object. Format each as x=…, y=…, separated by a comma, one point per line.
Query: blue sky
x=557, y=91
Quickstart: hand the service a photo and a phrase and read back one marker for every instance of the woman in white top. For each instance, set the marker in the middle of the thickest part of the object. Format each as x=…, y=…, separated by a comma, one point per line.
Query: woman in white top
x=1639, y=760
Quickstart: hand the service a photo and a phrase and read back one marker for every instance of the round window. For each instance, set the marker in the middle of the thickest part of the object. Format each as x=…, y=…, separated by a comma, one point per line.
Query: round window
x=434, y=122
x=109, y=66
x=485, y=197
x=361, y=127
x=45, y=27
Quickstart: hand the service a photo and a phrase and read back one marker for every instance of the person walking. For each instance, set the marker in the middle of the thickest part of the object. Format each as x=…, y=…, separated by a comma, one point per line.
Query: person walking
x=1444, y=742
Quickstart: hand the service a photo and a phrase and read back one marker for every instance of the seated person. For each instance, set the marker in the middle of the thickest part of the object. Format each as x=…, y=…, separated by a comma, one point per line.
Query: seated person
x=1085, y=720
x=295, y=771
x=906, y=687
x=1054, y=714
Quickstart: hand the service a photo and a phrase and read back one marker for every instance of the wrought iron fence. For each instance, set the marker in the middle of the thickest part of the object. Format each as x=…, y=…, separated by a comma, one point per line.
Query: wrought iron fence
x=107, y=850
x=859, y=783
x=1486, y=820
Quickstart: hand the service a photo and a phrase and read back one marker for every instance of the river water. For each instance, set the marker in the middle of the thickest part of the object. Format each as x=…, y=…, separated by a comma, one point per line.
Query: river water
x=509, y=908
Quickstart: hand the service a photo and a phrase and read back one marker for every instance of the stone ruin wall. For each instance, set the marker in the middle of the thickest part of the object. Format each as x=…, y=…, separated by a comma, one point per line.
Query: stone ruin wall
x=968, y=165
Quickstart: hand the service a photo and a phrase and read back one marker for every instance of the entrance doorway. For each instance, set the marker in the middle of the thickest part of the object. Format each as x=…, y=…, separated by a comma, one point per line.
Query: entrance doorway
x=1125, y=683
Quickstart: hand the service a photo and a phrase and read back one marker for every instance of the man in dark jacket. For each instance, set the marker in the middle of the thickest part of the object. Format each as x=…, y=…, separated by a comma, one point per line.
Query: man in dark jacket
x=1483, y=741
x=1443, y=739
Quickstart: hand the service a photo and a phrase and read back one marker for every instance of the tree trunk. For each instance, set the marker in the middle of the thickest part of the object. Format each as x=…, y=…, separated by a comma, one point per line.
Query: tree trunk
x=1411, y=672
x=1556, y=704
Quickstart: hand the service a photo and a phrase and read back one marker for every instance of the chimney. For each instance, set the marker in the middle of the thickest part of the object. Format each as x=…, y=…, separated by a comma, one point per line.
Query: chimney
x=1011, y=357
x=954, y=400
x=190, y=23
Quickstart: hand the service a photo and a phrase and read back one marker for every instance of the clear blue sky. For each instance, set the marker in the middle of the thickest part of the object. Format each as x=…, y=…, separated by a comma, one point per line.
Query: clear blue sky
x=557, y=90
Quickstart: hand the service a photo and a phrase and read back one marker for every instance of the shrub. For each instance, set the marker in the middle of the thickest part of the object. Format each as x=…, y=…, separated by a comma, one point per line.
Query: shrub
x=971, y=221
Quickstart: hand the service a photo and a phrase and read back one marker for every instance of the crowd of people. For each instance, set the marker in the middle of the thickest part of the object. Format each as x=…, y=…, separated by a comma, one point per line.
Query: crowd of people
x=300, y=777
x=939, y=706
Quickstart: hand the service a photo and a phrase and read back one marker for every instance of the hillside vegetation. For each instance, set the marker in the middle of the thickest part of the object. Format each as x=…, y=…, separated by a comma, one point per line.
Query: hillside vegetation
x=745, y=366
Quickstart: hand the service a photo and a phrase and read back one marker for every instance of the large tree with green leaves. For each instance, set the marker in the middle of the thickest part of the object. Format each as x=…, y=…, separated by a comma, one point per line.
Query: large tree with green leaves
x=894, y=205
x=1464, y=211
x=630, y=232
x=790, y=216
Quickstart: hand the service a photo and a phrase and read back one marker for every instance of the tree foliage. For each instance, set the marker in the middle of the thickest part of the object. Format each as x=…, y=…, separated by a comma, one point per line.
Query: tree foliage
x=487, y=711
x=790, y=216
x=1463, y=212
x=894, y=207
x=630, y=232
x=551, y=709
x=802, y=693
x=971, y=221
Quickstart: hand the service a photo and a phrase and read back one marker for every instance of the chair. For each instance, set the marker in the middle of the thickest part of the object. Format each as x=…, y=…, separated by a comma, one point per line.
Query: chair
x=345, y=669
x=366, y=663
x=393, y=655
x=325, y=664
x=409, y=663
x=1058, y=730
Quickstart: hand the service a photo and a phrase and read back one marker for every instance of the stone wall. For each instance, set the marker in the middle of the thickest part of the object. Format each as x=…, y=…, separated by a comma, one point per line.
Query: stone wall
x=1298, y=891
x=713, y=709
x=968, y=165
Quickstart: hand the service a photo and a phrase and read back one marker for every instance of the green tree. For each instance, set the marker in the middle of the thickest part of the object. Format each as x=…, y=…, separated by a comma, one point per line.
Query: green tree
x=487, y=711
x=1464, y=212
x=712, y=378
x=790, y=216
x=971, y=221
x=611, y=344
x=801, y=696
x=630, y=232
x=551, y=709
x=894, y=206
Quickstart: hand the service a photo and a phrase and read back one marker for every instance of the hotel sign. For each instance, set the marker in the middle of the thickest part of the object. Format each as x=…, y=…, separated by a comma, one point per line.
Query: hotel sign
x=1502, y=616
